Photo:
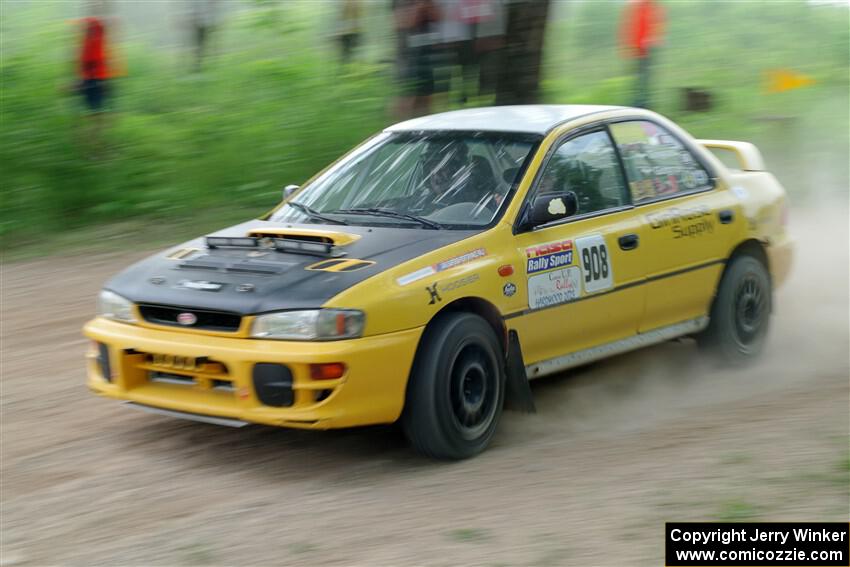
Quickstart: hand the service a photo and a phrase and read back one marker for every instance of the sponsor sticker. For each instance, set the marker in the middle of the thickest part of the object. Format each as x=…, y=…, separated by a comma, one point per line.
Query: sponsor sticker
x=684, y=221
x=458, y=283
x=549, y=256
x=433, y=293
x=509, y=289
x=417, y=275
x=557, y=207
x=552, y=288
x=441, y=266
x=458, y=260
x=437, y=288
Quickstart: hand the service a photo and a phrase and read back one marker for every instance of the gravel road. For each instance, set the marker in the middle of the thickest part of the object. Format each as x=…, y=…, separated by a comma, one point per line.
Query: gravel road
x=615, y=449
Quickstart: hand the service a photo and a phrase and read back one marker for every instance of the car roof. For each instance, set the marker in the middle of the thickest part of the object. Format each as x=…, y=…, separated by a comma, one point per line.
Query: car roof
x=528, y=119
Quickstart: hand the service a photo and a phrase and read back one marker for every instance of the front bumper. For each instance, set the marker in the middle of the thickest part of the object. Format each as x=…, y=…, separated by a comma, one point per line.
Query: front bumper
x=371, y=390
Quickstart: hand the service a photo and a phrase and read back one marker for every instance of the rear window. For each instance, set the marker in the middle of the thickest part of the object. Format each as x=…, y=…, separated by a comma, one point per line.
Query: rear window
x=657, y=164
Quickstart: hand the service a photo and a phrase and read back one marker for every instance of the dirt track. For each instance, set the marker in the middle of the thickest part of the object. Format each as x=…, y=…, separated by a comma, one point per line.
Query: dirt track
x=614, y=450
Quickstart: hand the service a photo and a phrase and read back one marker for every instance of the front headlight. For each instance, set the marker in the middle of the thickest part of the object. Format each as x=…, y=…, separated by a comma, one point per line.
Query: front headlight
x=311, y=325
x=113, y=306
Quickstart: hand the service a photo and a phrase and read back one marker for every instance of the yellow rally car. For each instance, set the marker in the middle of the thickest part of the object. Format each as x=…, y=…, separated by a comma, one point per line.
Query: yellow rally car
x=433, y=270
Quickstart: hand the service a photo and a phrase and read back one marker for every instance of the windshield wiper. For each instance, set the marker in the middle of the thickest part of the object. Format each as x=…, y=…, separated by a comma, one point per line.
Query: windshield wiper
x=377, y=211
x=313, y=213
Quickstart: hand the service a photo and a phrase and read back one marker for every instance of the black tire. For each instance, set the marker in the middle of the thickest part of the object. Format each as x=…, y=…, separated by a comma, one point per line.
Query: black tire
x=456, y=388
x=740, y=314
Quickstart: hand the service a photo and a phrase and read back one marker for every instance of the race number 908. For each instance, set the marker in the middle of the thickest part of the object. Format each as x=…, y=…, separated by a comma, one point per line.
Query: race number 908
x=595, y=263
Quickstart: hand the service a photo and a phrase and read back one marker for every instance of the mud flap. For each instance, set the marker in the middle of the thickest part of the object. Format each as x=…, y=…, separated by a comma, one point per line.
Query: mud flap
x=518, y=394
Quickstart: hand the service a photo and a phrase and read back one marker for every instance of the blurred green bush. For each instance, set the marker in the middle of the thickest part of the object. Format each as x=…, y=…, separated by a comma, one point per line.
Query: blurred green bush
x=270, y=112
x=273, y=106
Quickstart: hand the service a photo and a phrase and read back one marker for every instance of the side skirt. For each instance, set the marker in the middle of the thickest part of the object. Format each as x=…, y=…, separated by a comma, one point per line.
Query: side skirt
x=640, y=340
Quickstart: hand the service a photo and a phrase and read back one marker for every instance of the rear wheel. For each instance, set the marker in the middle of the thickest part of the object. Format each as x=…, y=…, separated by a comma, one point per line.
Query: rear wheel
x=456, y=389
x=740, y=313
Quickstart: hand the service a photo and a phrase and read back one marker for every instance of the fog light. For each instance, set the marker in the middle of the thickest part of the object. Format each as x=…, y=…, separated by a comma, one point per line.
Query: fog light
x=273, y=384
x=328, y=371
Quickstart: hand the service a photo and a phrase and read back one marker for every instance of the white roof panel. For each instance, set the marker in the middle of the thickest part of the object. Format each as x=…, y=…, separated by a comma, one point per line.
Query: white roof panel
x=531, y=119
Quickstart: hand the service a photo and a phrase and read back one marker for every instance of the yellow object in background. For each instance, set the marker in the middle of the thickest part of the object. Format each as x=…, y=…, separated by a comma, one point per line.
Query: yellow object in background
x=781, y=80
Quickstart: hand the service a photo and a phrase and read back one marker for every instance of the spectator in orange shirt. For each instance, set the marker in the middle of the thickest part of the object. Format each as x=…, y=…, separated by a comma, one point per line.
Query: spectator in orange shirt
x=94, y=65
x=95, y=71
x=641, y=30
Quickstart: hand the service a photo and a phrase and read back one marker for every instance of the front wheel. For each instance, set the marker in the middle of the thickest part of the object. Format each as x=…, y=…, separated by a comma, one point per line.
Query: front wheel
x=456, y=390
x=740, y=313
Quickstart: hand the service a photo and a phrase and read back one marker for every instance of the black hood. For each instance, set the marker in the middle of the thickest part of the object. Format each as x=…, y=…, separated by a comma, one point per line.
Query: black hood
x=251, y=280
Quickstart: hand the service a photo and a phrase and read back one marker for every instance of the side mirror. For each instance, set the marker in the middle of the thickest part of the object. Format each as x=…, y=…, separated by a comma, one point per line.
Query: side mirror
x=289, y=190
x=548, y=207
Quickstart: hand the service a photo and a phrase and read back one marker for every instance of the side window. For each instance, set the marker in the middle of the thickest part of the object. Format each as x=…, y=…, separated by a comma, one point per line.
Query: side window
x=586, y=165
x=656, y=163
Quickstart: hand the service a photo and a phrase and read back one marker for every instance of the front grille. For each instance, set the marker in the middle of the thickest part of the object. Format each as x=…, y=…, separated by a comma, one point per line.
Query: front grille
x=206, y=320
x=196, y=372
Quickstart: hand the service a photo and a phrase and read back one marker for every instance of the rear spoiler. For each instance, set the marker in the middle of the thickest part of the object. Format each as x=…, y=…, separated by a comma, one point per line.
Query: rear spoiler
x=748, y=156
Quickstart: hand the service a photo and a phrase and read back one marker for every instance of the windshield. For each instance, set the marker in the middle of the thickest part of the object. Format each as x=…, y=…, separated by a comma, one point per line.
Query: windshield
x=422, y=179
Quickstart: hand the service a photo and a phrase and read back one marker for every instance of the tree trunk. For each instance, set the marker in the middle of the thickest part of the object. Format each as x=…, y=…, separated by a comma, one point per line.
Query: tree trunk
x=518, y=80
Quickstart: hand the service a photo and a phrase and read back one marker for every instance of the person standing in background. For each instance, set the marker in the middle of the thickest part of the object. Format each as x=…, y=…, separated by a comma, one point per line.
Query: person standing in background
x=203, y=15
x=94, y=68
x=462, y=20
x=641, y=30
x=416, y=25
x=349, y=29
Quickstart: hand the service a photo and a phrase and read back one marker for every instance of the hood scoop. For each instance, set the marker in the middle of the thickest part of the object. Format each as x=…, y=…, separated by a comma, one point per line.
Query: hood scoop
x=313, y=247
x=305, y=235
x=326, y=244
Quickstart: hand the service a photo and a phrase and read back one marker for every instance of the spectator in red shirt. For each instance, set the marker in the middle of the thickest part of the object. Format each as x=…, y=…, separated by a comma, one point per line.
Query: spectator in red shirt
x=641, y=30
x=95, y=70
x=94, y=65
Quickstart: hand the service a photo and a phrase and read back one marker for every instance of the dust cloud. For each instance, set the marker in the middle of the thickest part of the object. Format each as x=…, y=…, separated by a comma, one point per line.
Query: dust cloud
x=808, y=338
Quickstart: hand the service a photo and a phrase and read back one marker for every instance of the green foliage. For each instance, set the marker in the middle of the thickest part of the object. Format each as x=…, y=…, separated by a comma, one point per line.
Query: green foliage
x=257, y=118
x=273, y=106
x=727, y=48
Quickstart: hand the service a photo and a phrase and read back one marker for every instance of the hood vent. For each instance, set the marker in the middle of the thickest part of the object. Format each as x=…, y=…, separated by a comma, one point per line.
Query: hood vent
x=238, y=266
x=337, y=265
x=306, y=235
x=300, y=238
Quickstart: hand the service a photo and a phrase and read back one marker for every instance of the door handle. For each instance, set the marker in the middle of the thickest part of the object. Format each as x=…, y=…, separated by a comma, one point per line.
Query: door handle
x=628, y=241
x=726, y=216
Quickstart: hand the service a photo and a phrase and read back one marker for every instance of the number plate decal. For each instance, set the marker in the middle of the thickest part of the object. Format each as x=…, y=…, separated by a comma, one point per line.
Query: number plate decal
x=595, y=262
